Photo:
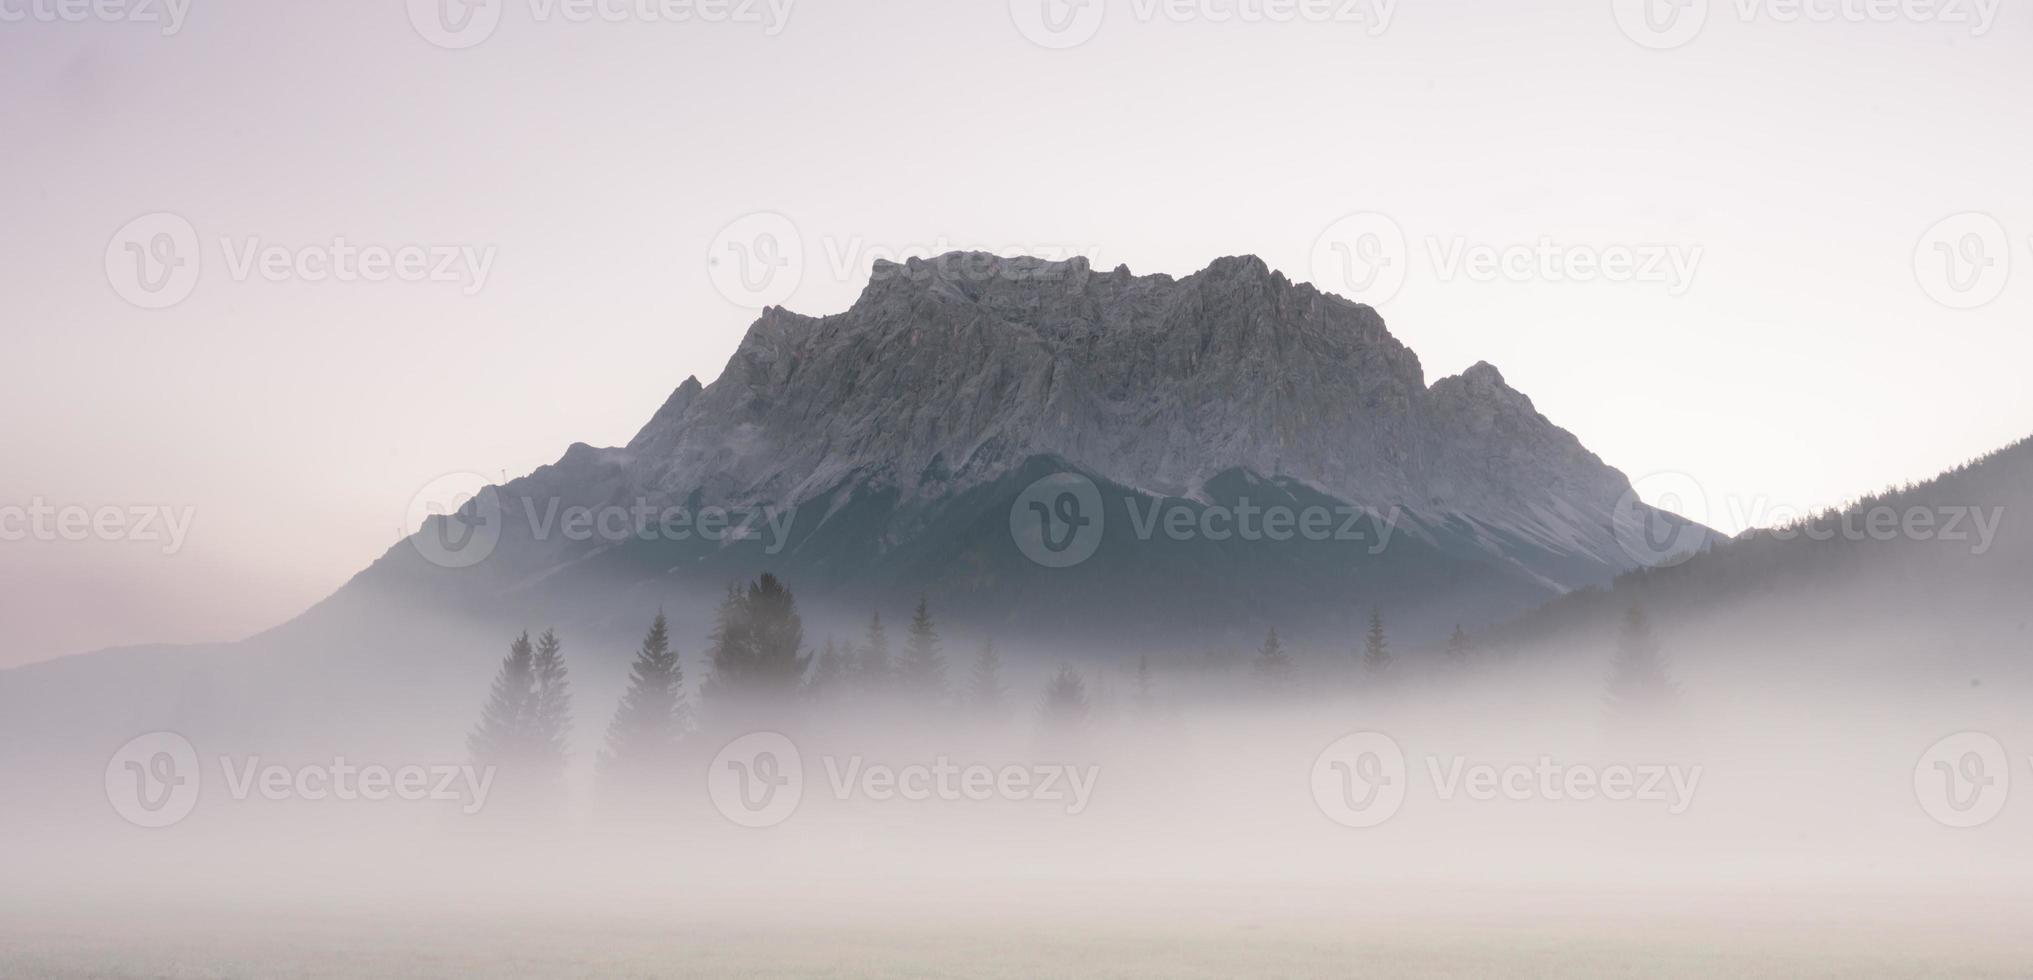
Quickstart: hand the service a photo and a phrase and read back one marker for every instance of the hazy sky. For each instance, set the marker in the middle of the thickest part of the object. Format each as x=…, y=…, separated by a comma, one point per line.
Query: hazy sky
x=586, y=164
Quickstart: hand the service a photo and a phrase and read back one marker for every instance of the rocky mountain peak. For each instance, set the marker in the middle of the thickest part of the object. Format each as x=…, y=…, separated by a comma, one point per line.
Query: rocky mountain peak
x=1483, y=374
x=977, y=362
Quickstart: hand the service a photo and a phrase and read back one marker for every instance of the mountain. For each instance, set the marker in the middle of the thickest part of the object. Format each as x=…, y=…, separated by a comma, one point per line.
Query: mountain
x=893, y=441
x=1924, y=583
x=1079, y=463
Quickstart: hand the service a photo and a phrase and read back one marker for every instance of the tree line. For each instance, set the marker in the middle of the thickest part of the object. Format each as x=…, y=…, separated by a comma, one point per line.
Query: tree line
x=757, y=662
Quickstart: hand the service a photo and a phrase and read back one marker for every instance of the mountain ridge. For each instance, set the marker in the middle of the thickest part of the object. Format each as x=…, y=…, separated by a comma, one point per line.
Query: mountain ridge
x=1856, y=570
x=1159, y=381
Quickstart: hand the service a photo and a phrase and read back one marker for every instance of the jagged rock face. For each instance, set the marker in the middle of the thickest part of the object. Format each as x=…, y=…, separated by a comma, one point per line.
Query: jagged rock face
x=947, y=372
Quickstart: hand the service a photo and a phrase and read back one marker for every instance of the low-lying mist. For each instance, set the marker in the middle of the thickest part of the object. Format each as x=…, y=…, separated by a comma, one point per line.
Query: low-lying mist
x=1430, y=793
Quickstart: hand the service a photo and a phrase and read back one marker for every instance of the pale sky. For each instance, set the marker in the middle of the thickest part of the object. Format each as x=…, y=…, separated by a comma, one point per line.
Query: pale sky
x=1794, y=167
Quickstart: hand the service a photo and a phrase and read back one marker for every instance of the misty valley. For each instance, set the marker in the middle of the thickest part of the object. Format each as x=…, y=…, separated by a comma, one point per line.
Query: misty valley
x=1119, y=489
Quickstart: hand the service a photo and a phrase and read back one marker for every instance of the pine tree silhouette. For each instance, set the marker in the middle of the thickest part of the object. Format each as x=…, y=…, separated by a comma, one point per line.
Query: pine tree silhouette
x=758, y=658
x=653, y=714
x=829, y=673
x=503, y=736
x=1376, y=649
x=1638, y=683
x=1459, y=648
x=1271, y=665
x=923, y=672
x=1065, y=706
x=872, y=672
x=551, y=714
x=985, y=691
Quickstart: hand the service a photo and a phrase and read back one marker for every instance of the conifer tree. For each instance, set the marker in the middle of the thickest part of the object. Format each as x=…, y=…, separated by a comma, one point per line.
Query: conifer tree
x=1102, y=704
x=758, y=654
x=652, y=716
x=923, y=672
x=1376, y=650
x=1144, y=700
x=1638, y=682
x=778, y=635
x=503, y=736
x=829, y=673
x=1459, y=648
x=985, y=691
x=1065, y=706
x=551, y=715
x=728, y=648
x=872, y=671
x=1271, y=665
